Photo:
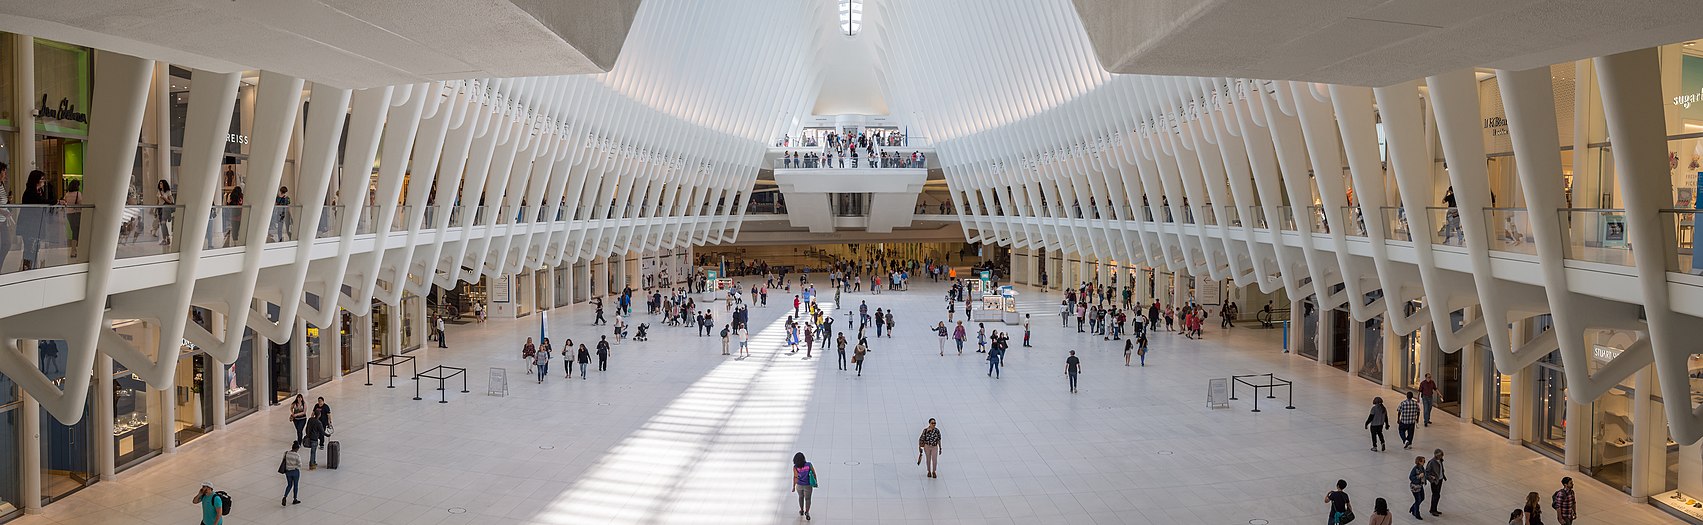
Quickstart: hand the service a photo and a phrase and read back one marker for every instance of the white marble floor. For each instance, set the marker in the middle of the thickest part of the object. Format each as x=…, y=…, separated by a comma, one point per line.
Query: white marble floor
x=675, y=432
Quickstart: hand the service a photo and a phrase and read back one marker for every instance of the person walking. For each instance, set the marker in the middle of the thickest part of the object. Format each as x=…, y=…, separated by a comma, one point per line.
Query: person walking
x=842, y=344
x=322, y=411
x=810, y=340
x=441, y=342
x=603, y=355
x=298, y=415
x=940, y=332
x=212, y=504
x=1434, y=474
x=981, y=338
x=1565, y=503
x=1072, y=367
x=858, y=355
x=803, y=483
x=1129, y=347
x=291, y=468
x=996, y=355
x=584, y=360
x=1533, y=509
x=1339, y=504
x=541, y=360
x=1407, y=416
x=928, y=448
x=958, y=334
x=1380, y=513
x=744, y=342
x=1428, y=395
x=1378, y=421
x=1416, y=484
x=890, y=322
x=1025, y=330
x=1064, y=312
x=725, y=332
x=1141, y=348
x=314, y=437
x=528, y=354
x=568, y=359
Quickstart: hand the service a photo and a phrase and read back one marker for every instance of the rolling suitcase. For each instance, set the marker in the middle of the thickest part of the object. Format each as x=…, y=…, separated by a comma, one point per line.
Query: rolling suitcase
x=332, y=454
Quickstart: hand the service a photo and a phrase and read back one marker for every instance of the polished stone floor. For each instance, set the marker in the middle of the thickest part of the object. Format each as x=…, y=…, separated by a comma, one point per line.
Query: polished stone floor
x=674, y=432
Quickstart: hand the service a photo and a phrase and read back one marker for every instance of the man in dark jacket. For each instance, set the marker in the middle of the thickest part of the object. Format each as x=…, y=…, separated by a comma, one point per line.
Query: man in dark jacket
x=312, y=437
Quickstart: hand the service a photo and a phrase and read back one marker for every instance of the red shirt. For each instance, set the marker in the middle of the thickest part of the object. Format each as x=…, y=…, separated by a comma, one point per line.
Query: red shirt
x=1427, y=388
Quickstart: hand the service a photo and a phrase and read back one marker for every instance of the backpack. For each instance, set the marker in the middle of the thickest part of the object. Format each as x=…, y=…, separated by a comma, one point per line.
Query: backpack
x=724, y=332
x=224, y=503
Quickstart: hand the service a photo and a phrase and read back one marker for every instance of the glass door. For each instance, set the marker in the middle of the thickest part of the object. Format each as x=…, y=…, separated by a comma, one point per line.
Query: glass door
x=194, y=406
x=1372, y=350
x=1340, y=325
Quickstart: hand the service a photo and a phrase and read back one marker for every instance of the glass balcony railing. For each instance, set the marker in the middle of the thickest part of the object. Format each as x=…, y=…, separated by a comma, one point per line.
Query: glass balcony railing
x=1256, y=215
x=148, y=230
x=1448, y=223
x=1316, y=219
x=1232, y=217
x=46, y=236
x=1286, y=218
x=1357, y=224
x=1597, y=235
x=225, y=227
x=1512, y=228
x=330, y=222
x=1684, y=224
x=1395, y=224
x=282, y=225
x=399, y=221
x=1208, y=214
x=367, y=222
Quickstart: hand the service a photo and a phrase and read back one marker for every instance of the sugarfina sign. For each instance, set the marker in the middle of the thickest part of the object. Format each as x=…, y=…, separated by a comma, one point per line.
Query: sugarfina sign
x=65, y=111
x=1685, y=101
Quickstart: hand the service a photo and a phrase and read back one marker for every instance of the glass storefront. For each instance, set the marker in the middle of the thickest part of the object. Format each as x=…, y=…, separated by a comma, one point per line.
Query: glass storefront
x=1498, y=392
x=67, y=451
x=380, y=326
x=412, y=305
x=239, y=381
x=1409, y=349
x=318, y=363
x=1309, y=329
x=1340, y=328
x=352, y=362
x=193, y=413
x=1552, y=405
x=11, y=473
x=134, y=406
x=1372, y=350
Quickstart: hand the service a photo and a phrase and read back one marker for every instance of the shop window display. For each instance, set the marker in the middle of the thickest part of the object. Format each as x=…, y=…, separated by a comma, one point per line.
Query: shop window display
x=346, y=343
x=1309, y=329
x=1552, y=404
x=238, y=381
x=192, y=397
x=1499, y=389
x=318, y=364
x=411, y=308
x=1372, y=354
x=133, y=409
x=10, y=471
x=67, y=451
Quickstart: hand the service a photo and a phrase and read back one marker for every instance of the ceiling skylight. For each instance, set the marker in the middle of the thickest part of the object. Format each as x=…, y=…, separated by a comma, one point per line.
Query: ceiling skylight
x=851, y=16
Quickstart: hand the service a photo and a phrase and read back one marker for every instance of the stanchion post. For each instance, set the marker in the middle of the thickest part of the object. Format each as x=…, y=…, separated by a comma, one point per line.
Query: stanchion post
x=1256, y=399
x=392, y=368
x=1233, y=381
x=369, y=368
x=1271, y=380
x=416, y=387
x=464, y=389
x=1291, y=385
x=443, y=393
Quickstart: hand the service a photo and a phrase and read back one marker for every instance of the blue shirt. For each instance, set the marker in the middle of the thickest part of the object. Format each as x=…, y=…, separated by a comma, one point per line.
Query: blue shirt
x=209, y=510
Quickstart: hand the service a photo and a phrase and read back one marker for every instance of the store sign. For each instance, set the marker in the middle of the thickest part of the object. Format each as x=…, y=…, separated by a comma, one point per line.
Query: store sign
x=1685, y=101
x=234, y=138
x=1498, y=126
x=1605, y=353
x=65, y=111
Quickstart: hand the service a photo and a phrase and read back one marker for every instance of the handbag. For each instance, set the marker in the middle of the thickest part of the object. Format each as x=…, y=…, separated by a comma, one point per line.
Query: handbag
x=281, y=464
x=1345, y=517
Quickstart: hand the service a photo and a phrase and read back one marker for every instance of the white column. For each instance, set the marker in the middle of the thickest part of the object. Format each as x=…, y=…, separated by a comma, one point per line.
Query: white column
x=298, y=353
x=30, y=463
x=1645, y=444
x=262, y=360
x=105, y=461
x=333, y=342
x=1575, y=439
x=23, y=90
